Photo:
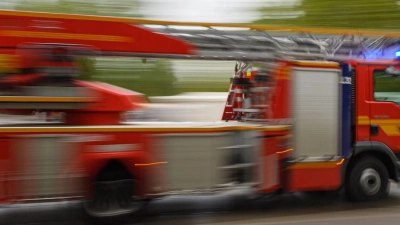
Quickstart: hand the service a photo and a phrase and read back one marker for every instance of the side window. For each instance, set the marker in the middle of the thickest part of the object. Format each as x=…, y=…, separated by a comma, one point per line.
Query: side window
x=386, y=86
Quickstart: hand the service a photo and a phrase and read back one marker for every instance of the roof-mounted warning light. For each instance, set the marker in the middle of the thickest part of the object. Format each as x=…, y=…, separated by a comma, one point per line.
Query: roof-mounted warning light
x=397, y=54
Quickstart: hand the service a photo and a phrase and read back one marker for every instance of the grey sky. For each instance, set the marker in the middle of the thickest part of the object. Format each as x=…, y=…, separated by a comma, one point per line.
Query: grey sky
x=203, y=10
x=222, y=11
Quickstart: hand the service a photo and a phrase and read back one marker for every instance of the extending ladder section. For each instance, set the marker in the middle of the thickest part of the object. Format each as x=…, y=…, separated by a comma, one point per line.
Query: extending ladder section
x=257, y=43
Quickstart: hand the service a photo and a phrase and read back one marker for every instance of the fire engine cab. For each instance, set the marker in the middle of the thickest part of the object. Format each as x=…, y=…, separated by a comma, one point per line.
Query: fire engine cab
x=303, y=113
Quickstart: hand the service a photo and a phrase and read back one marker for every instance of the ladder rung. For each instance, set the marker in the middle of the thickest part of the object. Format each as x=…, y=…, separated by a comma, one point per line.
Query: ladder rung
x=235, y=184
x=238, y=166
x=259, y=89
x=237, y=147
x=247, y=110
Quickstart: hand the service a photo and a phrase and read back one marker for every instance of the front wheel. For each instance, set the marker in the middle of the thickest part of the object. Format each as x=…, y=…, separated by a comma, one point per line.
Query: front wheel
x=368, y=180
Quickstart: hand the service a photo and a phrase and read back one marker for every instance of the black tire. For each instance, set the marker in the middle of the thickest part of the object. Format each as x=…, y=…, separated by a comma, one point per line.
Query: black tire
x=368, y=180
x=113, y=193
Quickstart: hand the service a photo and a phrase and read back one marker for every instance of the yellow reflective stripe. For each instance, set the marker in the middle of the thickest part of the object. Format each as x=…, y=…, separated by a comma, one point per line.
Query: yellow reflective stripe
x=45, y=99
x=391, y=130
x=363, y=120
x=386, y=121
x=391, y=127
x=316, y=64
x=9, y=63
x=315, y=165
x=90, y=37
x=283, y=74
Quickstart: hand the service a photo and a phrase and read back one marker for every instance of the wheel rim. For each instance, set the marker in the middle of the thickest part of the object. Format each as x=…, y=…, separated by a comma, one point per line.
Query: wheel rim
x=370, y=181
x=113, y=198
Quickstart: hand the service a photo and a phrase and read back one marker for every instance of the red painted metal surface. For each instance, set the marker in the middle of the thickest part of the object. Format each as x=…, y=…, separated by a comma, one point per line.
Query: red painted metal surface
x=4, y=169
x=362, y=105
x=104, y=35
x=313, y=176
x=384, y=114
x=111, y=102
x=271, y=168
x=280, y=103
x=369, y=111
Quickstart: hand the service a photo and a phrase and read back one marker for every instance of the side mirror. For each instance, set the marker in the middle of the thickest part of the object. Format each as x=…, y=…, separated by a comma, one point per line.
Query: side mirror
x=392, y=71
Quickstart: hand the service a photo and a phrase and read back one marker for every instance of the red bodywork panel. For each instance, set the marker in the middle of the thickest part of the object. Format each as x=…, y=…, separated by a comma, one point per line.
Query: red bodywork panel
x=384, y=114
x=110, y=101
x=280, y=102
x=314, y=176
x=112, y=98
x=276, y=150
x=102, y=33
x=4, y=167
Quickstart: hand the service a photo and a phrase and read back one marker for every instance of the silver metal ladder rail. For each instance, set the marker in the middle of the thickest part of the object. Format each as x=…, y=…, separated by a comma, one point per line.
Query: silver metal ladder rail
x=260, y=45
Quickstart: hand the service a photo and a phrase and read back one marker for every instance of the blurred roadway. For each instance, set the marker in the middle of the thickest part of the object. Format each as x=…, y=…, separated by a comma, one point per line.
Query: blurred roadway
x=193, y=107
x=229, y=209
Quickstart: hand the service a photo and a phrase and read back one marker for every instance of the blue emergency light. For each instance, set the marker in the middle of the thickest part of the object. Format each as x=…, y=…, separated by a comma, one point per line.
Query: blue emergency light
x=397, y=55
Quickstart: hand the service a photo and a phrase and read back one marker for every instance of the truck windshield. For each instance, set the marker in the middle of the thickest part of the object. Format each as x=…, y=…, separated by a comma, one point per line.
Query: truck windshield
x=386, y=87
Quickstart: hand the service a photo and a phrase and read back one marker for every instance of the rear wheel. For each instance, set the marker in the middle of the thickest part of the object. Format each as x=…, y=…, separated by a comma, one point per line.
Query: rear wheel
x=114, y=196
x=113, y=199
x=368, y=180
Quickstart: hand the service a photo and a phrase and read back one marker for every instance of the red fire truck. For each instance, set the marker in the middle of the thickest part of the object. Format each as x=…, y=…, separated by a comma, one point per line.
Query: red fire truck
x=304, y=113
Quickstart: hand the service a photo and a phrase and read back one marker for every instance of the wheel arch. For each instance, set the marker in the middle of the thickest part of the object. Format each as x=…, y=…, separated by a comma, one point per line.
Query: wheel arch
x=113, y=169
x=114, y=184
x=377, y=150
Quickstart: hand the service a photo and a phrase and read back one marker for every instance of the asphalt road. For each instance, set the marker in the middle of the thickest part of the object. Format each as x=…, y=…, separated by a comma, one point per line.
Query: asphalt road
x=227, y=209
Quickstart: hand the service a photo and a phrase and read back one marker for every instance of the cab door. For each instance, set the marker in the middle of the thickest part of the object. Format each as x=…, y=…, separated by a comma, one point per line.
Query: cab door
x=384, y=99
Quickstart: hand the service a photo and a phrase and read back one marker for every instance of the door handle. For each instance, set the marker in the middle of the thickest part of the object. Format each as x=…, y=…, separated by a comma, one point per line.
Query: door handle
x=374, y=129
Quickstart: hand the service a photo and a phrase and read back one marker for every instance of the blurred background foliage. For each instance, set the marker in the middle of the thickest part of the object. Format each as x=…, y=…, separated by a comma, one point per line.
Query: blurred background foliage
x=367, y=14
x=99, y=7
x=154, y=77
x=169, y=77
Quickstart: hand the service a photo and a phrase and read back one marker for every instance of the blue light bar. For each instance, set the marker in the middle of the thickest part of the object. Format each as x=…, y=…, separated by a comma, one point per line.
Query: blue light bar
x=397, y=54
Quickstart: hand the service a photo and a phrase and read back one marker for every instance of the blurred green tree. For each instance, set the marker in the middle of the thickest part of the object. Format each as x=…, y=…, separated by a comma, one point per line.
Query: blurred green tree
x=90, y=7
x=383, y=14
x=87, y=67
x=59, y=6
x=153, y=78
